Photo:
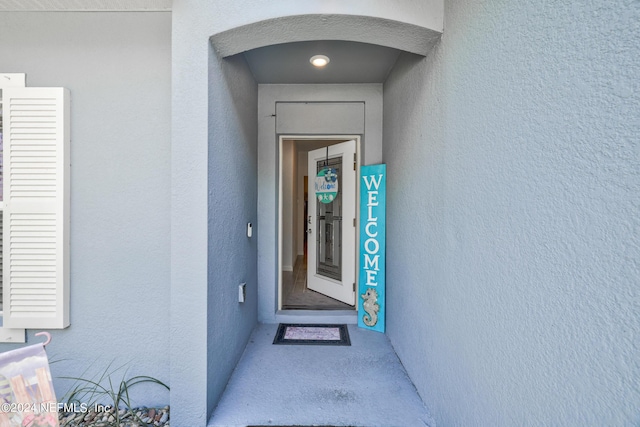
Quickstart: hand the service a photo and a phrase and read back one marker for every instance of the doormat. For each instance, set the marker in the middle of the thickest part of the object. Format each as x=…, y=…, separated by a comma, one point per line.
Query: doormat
x=312, y=334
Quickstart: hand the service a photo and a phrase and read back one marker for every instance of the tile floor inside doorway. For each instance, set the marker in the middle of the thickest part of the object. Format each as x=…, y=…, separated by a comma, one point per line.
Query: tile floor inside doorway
x=296, y=295
x=307, y=385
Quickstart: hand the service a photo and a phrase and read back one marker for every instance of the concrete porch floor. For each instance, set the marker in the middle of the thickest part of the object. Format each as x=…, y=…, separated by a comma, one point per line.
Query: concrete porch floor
x=308, y=385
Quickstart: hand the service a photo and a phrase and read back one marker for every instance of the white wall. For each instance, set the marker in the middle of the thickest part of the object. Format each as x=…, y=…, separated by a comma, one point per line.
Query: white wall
x=513, y=227
x=288, y=177
x=117, y=67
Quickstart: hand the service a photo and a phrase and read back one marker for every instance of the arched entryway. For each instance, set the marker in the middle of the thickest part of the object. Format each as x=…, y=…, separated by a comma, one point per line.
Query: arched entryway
x=295, y=98
x=224, y=173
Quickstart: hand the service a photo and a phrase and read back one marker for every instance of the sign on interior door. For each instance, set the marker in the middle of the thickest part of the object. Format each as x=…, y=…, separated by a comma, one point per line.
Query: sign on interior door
x=371, y=288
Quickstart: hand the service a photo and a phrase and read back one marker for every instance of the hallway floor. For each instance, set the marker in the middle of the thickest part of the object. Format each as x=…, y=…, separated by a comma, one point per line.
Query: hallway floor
x=304, y=385
x=297, y=296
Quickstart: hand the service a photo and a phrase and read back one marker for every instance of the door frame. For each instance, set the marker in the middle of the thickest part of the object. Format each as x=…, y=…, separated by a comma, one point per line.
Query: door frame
x=327, y=137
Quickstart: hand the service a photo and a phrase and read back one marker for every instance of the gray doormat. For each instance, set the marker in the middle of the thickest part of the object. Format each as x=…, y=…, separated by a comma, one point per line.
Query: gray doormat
x=312, y=334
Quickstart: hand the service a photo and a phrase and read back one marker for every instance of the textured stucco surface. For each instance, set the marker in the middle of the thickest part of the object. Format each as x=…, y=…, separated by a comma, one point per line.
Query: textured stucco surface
x=364, y=29
x=513, y=227
x=232, y=14
x=214, y=184
x=233, y=186
x=120, y=121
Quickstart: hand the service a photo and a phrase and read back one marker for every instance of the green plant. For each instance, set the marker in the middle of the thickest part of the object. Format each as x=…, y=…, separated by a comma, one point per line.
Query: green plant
x=105, y=393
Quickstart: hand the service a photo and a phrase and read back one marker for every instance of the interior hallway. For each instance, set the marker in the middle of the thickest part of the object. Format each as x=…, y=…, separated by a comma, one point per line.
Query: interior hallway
x=283, y=385
x=296, y=295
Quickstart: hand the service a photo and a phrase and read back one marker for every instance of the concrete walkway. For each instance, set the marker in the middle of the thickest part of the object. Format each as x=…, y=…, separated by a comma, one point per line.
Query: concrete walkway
x=307, y=385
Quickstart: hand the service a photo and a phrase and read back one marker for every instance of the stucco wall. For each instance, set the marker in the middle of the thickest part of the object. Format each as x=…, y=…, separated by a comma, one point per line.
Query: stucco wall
x=513, y=227
x=232, y=256
x=425, y=13
x=117, y=67
x=214, y=193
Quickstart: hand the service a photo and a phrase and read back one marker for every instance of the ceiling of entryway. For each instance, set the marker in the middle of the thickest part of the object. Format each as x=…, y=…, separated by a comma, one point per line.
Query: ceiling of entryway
x=350, y=62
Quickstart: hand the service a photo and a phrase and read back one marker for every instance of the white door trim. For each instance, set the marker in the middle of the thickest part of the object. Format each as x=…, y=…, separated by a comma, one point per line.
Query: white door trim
x=329, y=137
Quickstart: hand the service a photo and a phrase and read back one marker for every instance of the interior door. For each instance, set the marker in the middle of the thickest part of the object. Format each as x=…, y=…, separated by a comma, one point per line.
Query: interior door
x=331, y=265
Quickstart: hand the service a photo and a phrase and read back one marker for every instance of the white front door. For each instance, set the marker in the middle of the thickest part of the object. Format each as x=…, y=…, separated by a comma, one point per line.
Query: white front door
x=331, y=265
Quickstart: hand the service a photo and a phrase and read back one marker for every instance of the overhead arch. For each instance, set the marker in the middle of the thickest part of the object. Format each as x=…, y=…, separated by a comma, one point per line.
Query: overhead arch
x=358, y=28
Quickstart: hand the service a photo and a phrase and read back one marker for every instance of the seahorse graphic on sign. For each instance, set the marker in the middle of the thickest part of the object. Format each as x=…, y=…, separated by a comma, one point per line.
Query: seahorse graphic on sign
x=371, y=306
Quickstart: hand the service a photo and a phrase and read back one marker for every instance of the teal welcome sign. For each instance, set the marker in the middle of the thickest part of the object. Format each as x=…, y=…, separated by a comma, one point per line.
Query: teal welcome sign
x=371, y=287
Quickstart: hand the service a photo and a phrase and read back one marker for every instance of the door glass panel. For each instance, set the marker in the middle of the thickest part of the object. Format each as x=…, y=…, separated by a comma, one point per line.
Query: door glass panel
x=329, y=227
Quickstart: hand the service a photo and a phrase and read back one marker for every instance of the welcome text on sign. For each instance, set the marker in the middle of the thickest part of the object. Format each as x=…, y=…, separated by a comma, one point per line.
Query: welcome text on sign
x=371, y=244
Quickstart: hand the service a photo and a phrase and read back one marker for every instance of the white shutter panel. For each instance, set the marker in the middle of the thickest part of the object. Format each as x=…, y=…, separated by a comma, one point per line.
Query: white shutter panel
x=36, y=208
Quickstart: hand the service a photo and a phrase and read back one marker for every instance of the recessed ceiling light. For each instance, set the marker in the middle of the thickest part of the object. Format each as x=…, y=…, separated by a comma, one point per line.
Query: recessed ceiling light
x=319, y=60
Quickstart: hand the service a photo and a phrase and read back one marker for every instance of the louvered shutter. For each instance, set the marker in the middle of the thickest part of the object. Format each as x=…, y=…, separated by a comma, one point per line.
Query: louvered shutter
x=36, y=208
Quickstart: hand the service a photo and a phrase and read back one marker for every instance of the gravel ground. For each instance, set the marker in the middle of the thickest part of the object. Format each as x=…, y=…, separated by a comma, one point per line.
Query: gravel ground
x=137, y=417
